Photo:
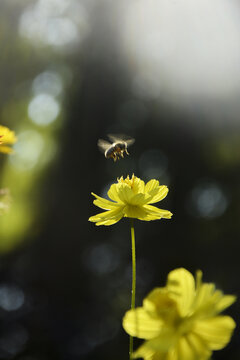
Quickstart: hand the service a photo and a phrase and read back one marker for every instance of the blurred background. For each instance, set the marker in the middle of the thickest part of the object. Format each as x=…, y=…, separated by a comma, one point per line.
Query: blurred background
x=71, y=71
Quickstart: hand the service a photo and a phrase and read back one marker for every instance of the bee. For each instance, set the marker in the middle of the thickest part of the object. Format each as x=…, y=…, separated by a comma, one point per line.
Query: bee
x=118, y=147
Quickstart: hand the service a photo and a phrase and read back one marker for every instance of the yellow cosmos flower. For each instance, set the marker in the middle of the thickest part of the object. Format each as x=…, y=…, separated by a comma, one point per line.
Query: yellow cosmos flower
x=7, y=137
x=181, y=321
x=131, y=198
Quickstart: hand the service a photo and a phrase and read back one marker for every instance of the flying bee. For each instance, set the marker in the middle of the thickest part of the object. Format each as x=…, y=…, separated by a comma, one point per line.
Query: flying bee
x=118, y=147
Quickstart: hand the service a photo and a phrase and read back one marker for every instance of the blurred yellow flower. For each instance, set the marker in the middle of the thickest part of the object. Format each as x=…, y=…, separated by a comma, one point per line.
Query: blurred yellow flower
x=181, y=321
x=7, y=137
x=131, y=198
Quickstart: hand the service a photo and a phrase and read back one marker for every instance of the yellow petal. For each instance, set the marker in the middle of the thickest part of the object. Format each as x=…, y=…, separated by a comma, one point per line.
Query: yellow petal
x=216, y=332
x=146, y=353
x=209, y=302
x=197, y=346
x=151, y=185
x=136, y=212
x=8, y=136
x=113, y=193
x=205, y=299
x=160, y=195
x=140, y=324
x=191, y=348
x=172, y=354
x=110, y=215
x=104, y=203
x=140, y=199
x=158, y=303
x=125, y=193
x=6, y=149
x=113, y=220
x=138, y=185
x=225, y=302
x=151, y=302
x=181, y=286
x=162, y=343
x=157, y=213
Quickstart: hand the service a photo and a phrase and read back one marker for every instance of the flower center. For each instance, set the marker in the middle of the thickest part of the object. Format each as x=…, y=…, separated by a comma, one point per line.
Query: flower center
x=128, y=181
x=185, y=325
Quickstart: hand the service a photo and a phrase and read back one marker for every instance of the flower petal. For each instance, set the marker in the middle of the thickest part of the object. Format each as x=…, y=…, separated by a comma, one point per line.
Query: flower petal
x=125, y=193
x=140, y=324
x=216, y=331
x=104, y=203
x=138, y=185
x=205, y=299
x=164, y=341
x=225, y=302
x=160, y=195
x=114, y=220
x=157, y=213
x=151, y=185
x=209, y=302
x=146, y=353
x=6, y=149
x=136, y=212
x=107, y=217
x=158, y=303
x=181, y=285
x=140, y=199
x=8, y=136
x=190, y=347
x=113, y=193
x=151, y=302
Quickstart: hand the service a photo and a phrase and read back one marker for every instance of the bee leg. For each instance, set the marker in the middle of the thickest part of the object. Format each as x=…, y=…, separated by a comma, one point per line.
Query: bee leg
x=126, y=152
x=122, y=154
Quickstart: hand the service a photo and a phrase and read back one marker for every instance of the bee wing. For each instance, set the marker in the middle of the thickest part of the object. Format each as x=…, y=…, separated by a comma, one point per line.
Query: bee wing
x=121, y=137
x=103, y=145
x=130, y=141
x=116, y=137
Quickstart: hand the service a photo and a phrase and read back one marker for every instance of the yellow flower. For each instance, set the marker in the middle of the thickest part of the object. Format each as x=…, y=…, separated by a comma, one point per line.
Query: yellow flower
x=131, y=198
x=7, y=137
x=181, y=321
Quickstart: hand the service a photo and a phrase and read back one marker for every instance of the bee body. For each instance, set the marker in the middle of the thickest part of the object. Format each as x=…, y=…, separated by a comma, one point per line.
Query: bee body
x=117, y=149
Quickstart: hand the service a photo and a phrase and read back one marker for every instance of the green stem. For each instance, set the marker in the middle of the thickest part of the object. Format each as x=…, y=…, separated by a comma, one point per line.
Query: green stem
x=133, y=282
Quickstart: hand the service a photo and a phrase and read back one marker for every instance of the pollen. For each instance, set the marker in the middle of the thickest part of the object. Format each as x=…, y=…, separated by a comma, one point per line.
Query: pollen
x=128, y=181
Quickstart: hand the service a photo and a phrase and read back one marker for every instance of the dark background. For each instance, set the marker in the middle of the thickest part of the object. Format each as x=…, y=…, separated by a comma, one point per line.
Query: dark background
x=64, y=283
